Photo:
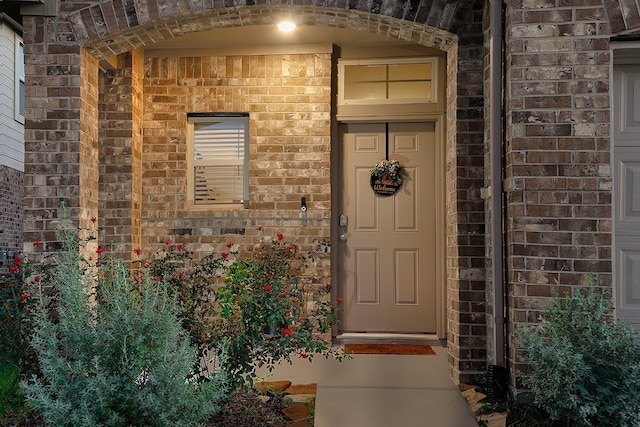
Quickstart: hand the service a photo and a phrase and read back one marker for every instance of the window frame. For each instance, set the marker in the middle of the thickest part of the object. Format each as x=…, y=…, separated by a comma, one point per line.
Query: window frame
x=19, y=79
x=192, y=163
x=343, y=63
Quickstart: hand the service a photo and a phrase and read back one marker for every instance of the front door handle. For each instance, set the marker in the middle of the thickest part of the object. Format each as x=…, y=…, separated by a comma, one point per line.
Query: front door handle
x=343, y=237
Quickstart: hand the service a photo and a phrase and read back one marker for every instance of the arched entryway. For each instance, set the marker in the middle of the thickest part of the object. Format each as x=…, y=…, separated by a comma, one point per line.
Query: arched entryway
x=72, y=115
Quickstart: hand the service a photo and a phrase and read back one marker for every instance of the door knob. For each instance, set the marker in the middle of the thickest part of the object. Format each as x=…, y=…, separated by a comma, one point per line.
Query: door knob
x=343, y=237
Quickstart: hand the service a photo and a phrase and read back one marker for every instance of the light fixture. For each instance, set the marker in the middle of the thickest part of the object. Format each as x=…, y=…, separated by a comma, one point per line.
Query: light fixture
x=286, y=26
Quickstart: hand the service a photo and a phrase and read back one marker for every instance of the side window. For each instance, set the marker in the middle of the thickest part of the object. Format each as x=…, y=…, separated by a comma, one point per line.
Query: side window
x=218, y=150
x=19, y=79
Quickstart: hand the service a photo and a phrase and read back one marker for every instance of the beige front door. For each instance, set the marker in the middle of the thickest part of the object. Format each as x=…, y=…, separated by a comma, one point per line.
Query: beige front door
x=387, y=246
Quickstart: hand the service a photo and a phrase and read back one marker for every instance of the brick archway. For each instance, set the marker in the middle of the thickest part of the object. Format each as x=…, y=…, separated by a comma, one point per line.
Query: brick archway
x=109, y=28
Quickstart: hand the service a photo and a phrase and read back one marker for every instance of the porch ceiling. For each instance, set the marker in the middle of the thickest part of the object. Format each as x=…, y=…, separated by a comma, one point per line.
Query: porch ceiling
x=269, y=36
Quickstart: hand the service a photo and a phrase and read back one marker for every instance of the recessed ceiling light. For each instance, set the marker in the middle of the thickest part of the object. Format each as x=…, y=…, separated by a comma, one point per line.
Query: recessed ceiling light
x=286, y=26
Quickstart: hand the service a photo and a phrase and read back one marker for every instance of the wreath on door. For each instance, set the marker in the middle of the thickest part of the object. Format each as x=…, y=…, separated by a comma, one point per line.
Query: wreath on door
x=387, y=177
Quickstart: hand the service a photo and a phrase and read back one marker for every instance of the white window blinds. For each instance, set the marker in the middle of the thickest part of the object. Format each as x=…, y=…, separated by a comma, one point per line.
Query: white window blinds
x=219, y=160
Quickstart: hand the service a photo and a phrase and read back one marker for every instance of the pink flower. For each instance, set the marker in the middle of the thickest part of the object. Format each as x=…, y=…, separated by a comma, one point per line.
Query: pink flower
x=286, y=331
x=280, y=236
x=138, y=251
x=93, y=219
x=99, y=250
x=267, y=288
x=229, y=244
x=339, y=300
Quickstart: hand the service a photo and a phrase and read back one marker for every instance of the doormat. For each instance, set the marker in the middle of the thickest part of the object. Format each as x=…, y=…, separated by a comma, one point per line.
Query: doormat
x=389, y=349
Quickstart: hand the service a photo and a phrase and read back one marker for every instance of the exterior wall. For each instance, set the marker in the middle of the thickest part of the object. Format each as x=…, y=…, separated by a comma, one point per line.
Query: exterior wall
x=11, y=151
x=11, y=127
x=288, y=98
x=558, y=173
x=11, y=213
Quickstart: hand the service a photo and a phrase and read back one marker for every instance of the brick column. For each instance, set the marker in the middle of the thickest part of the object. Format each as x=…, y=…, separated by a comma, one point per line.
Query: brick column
x=60, y=130
x=121, y=154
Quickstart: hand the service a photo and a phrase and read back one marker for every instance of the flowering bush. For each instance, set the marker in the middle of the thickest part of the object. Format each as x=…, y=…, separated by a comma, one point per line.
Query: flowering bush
x=255, y=308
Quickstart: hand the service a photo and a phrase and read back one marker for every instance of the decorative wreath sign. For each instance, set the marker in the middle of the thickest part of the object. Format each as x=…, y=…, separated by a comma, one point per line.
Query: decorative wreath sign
x=387, y=177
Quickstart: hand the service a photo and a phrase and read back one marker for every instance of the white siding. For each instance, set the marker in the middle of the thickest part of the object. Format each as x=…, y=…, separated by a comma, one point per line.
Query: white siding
x=11, y=130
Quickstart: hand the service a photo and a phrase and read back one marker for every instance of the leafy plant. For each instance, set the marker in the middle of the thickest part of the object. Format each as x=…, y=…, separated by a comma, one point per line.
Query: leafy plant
x=117, y=356
x=252, y=307
x=585, y=364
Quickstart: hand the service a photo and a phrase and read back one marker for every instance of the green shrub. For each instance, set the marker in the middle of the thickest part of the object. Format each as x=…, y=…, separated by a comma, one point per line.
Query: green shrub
x=251, y=306
x=585, y=364
x=115, y=357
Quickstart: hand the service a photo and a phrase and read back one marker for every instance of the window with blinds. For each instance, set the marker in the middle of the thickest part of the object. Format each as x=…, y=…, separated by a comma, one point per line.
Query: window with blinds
x=218, y=153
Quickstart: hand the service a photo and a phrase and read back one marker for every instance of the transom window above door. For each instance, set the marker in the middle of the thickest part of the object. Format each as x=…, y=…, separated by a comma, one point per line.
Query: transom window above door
x=218, y=147
x=387, y=81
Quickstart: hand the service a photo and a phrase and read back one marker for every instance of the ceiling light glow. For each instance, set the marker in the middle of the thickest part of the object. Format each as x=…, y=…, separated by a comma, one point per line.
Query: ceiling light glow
x=286, y=26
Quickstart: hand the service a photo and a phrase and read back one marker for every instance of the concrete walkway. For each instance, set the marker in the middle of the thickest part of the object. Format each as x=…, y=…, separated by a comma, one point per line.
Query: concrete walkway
x=382, y=391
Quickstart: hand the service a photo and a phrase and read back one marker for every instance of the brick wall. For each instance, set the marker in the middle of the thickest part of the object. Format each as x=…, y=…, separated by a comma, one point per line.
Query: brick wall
x=557, y=160
x=11, y=213
x=288, y=98
x=120, y=147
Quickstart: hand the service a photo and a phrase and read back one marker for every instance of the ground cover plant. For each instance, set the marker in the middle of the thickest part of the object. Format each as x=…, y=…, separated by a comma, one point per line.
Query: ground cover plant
x=585, y=363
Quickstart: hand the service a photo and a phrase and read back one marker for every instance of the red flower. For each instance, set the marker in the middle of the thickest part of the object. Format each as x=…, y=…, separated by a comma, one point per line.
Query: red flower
x=267, y=288
x=294, y=247
x=36, y=279
x=17, y=261
x=340, y=300
x=13, y=269
x=303, y=355
x=286, y=331
x=328, y=286
x=280, y=236
x=224, y=255
x=181, y=274
x=229, y=244
x=99, y=250
x=167, y=242
x=24, y=297
x=179, y=247
x=138, y=251
x=259, y=228
x=93, y=219
x=147, y=264
x=36, y=243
